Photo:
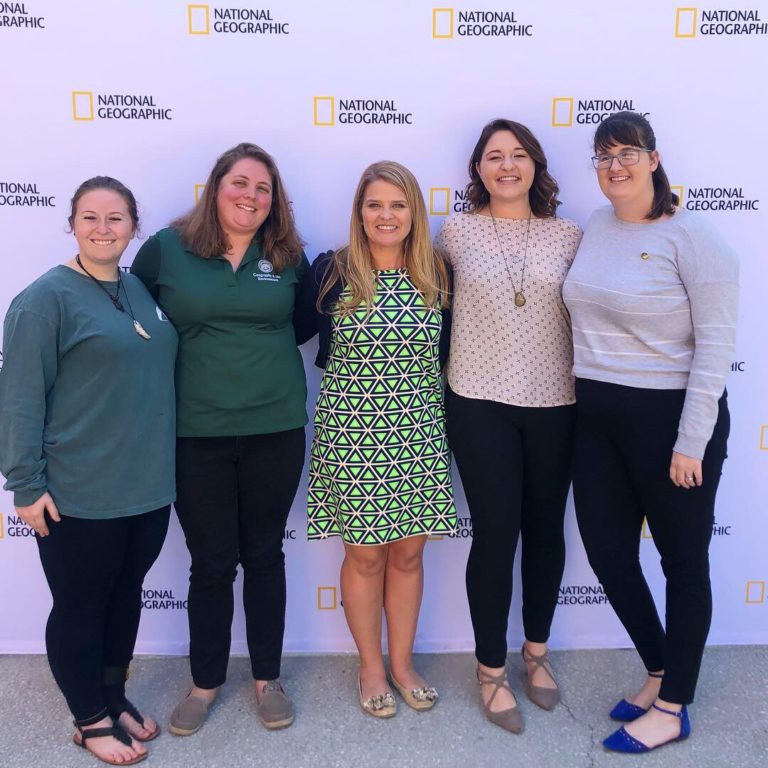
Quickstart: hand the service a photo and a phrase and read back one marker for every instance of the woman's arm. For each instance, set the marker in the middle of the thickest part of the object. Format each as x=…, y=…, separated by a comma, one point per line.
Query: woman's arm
x=306, y=318
x=146, y=265
x=709, y=272
x=30, y=363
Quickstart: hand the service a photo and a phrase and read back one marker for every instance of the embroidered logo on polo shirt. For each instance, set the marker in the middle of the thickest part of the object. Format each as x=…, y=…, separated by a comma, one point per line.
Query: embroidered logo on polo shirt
x=266, y=271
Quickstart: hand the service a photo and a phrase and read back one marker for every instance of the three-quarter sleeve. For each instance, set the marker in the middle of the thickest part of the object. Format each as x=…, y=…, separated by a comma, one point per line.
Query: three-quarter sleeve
x=30, y=362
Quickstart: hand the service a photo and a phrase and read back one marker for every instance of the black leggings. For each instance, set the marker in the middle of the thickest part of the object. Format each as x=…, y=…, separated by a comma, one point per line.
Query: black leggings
x=234, y=496
x=623, y=449
x=95, y=569
x=515, y=467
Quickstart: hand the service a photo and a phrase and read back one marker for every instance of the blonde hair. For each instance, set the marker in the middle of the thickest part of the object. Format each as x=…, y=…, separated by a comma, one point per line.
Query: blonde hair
x=353, y=264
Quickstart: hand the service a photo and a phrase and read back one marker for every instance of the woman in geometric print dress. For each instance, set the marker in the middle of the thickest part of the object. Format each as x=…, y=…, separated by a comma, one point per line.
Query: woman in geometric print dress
x=379, y=465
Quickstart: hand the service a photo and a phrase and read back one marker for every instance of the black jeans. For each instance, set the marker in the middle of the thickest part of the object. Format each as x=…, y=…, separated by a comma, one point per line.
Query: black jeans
x=234, y=496
x=515, y=467
x=95, y=570
x=623, y=449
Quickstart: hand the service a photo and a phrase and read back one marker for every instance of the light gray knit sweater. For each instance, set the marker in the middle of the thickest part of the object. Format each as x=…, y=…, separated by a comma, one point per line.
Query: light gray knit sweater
x=654, y=305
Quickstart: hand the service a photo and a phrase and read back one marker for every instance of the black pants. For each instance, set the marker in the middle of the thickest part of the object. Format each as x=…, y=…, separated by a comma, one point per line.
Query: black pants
x=623, y=449
x=515, y=466
x=234, y=496
x=95, y=569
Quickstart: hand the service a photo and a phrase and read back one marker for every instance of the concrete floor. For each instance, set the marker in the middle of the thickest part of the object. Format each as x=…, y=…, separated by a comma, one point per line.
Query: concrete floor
x=730, y=717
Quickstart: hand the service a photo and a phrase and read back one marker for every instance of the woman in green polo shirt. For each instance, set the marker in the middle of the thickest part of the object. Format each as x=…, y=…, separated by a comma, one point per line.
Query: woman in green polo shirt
x=226, y=275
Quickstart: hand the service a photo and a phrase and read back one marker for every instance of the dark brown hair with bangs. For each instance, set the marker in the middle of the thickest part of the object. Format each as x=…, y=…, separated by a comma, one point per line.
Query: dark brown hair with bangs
x=544, y=190
x=200, y=229
x=634, y=130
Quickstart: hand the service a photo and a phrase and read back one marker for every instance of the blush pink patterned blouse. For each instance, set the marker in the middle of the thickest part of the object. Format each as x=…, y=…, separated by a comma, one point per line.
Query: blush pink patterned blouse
x=515, y=355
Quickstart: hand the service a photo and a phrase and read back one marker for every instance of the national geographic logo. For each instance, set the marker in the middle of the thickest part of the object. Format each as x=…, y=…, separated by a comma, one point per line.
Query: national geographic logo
x=566, y=110
x=444, y=201
x=161, y=600
x=716, y=199
x=755, y=593
x=328, y=110
x=18, y=529
x=233, y=21
x=581, y=594
x=718, y=529
x=464, y=529
x=327, y=599
x=17, y=15
x=718, y=23
x=447, y=24
x=88, y=106
x=764, y=437
x=24, y=194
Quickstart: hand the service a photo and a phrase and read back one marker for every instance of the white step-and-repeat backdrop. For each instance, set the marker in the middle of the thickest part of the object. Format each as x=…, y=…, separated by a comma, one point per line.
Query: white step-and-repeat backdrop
x=151, y=92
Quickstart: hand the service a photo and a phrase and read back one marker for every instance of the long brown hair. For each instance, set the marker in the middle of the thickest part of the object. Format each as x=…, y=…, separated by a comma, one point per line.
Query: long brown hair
x=201, y=231
x=542, y=195
x=353, y=264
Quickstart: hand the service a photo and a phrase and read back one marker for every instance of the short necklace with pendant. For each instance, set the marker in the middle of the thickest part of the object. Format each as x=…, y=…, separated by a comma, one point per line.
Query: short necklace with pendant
x=519, y=295
x=116, y=303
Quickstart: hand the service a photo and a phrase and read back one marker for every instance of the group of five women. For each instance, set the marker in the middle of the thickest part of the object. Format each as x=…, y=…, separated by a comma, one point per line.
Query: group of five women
x=472, y=342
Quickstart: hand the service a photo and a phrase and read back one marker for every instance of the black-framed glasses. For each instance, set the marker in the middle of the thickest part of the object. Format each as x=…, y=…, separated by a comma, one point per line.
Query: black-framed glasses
x=630, y=156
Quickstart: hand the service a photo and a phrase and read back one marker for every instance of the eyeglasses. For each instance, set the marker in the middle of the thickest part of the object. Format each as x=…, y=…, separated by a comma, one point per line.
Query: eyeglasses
x=625, y=157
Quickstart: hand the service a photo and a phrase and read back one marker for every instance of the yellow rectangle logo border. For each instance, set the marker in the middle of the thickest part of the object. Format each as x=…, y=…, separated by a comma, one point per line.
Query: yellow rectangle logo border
x=748, y=598
x=89, y=94
x=190, y=27
x=558, y=99
x=335, y=600
x=678, y=15
x=435, y=13
x=433, y=210
x=315, y=102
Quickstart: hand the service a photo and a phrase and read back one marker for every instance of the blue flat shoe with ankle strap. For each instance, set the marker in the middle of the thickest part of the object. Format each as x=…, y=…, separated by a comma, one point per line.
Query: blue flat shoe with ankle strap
x=621, y=741
x=625, y=711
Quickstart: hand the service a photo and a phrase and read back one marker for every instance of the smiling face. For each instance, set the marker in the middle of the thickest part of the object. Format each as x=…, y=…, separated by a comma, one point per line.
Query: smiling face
x=506, y=169
x=386, y=216
x=103, y=227
x=244, y=197
x=628, y=184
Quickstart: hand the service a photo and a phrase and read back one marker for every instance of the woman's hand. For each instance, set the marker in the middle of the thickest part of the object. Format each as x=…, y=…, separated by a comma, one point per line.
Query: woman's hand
x=685, y=471
x=34, y=514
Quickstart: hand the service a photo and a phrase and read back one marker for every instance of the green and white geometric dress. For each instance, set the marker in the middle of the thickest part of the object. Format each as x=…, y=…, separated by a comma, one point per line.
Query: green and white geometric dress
x=379, y=469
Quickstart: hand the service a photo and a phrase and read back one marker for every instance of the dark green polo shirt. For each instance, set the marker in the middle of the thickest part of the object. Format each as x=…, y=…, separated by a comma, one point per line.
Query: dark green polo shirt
x=238, y=371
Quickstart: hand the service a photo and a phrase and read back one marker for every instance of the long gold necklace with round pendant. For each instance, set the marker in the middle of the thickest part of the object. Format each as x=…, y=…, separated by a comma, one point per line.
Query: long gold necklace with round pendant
x=519, y=295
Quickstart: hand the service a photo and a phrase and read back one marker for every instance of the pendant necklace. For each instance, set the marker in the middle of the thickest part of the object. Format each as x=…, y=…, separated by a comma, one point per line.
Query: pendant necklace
x=116, y=303
x=519, y=295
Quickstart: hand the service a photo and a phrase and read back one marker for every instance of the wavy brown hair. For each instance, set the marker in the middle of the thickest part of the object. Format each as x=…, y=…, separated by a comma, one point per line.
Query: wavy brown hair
x=201, y=231
x=634, y=130
x=542, y=195
x=353, y=264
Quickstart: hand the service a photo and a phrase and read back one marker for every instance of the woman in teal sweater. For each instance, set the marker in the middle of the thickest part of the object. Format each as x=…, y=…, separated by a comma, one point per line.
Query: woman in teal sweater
x=87, y=445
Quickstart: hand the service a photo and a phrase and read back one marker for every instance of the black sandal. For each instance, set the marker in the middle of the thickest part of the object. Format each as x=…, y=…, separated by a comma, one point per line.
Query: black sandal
x=116, y=731
x=126, y=706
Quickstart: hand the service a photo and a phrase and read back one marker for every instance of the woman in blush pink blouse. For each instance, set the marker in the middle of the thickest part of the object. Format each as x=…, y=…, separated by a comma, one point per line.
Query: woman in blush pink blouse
x=510, y=401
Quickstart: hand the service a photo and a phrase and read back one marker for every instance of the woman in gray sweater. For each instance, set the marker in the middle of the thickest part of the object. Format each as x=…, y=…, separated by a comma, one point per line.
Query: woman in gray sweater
x=653, y=297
